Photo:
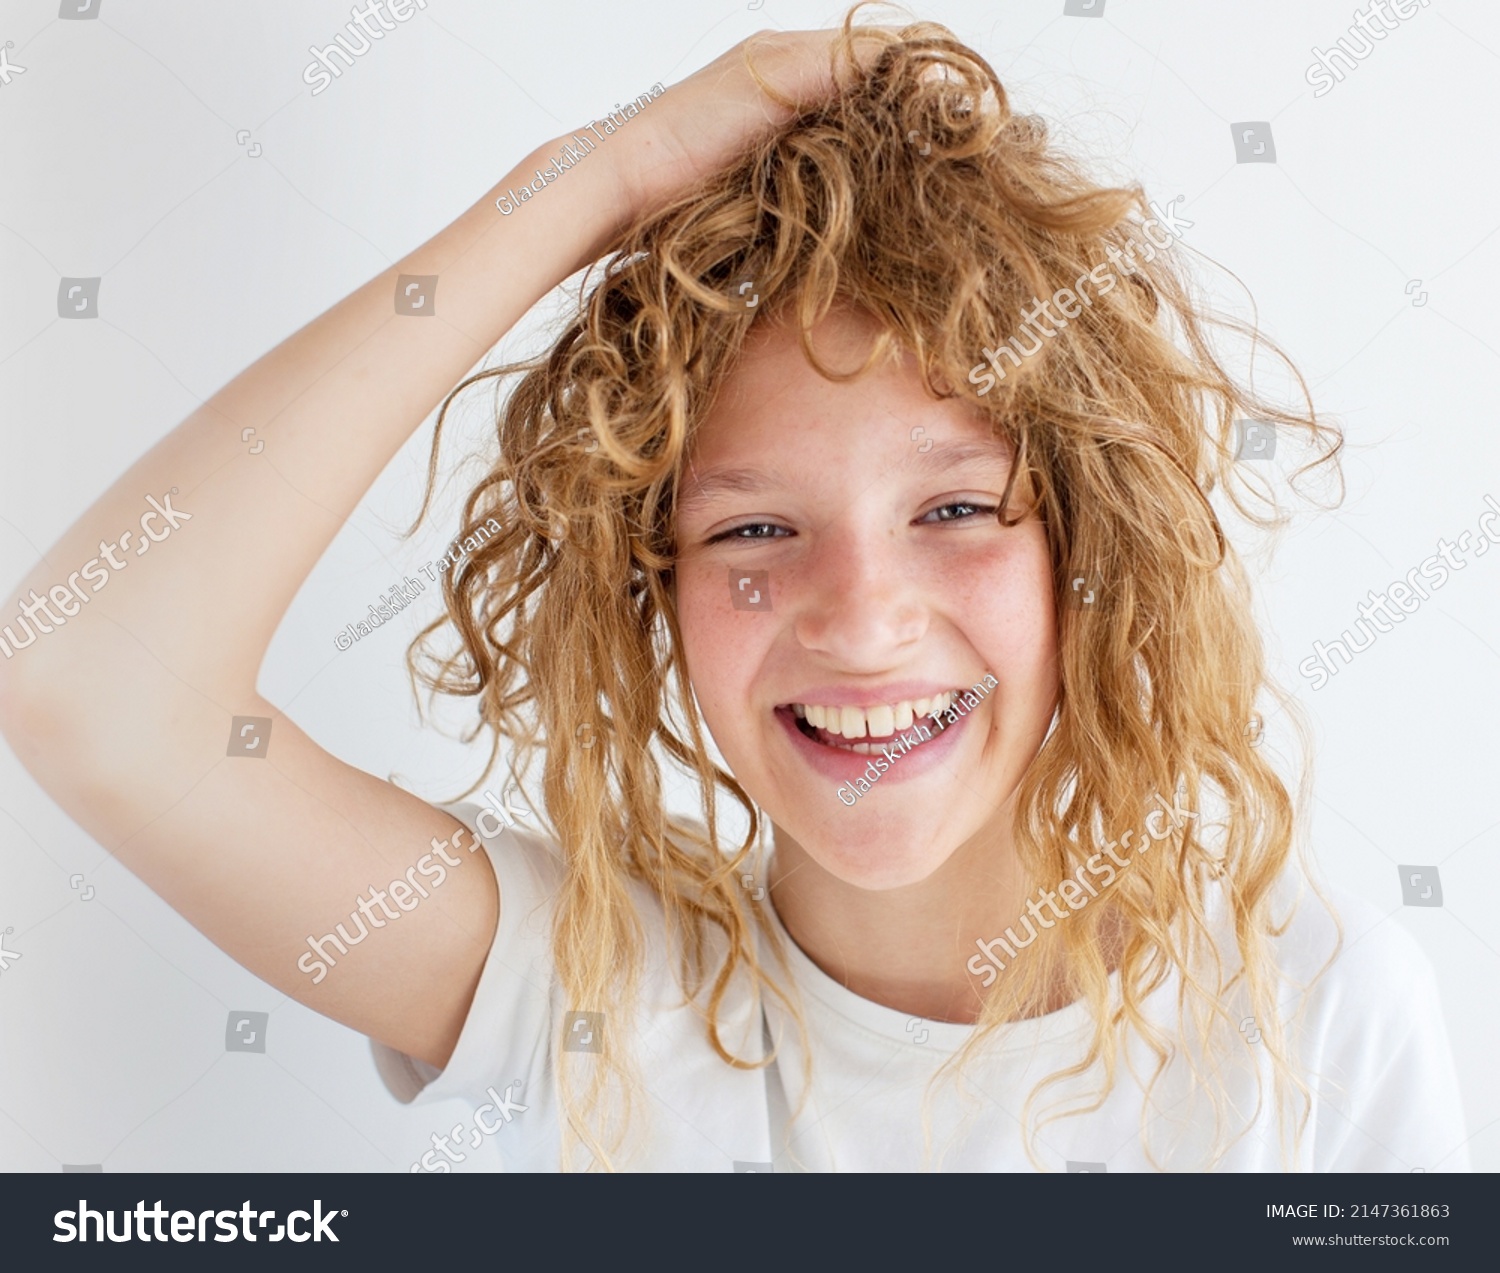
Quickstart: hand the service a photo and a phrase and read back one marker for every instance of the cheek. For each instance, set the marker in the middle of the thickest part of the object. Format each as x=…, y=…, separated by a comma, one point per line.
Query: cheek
x=723, y=652
x=697, y=616
x=716, y=637
x=1010, y=596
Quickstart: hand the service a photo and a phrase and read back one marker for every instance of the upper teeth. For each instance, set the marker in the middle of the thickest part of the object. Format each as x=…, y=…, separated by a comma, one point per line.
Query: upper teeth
x=874, y=722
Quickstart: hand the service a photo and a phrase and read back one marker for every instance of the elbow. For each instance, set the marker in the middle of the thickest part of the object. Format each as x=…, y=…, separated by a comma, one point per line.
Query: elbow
x=30, y=715
x=44, y=706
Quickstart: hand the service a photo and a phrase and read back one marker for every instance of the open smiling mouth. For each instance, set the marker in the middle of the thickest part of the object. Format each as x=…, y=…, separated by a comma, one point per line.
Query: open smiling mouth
x=867, y=730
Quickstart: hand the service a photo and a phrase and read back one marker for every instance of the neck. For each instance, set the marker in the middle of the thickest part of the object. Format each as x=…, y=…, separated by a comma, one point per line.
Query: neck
x=909, y=948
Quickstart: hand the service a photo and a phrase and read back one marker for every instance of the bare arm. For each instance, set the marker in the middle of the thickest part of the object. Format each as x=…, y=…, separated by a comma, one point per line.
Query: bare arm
x=259, y=856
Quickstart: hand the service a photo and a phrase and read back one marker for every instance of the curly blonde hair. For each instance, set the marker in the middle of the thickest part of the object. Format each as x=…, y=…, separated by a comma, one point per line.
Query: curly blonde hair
x=917, y=196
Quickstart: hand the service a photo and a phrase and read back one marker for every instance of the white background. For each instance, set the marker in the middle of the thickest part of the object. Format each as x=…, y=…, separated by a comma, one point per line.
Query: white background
x=120, y=160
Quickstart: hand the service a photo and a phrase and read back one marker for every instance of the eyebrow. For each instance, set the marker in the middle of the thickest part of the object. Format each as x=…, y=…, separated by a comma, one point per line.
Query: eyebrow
x=754, y=481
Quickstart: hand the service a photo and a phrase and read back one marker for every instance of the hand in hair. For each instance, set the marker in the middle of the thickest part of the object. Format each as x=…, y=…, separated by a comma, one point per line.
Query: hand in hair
x=702, y=123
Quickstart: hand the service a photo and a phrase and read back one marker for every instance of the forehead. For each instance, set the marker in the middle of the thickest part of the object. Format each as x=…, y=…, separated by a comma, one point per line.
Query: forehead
x=773, y=364
x=776, y=412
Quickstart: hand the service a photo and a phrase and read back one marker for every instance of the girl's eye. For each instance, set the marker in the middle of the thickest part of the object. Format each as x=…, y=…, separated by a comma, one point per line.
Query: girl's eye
x=749, y=531
x=962, y=510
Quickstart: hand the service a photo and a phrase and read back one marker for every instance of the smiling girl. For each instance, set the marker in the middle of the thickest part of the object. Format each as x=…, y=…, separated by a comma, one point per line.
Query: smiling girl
x=754, y=498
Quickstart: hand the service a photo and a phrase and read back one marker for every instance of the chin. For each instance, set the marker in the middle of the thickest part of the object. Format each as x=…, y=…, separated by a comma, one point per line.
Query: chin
x=870, y=852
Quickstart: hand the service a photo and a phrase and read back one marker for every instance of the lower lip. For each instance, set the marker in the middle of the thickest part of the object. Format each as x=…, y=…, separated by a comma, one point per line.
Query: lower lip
x=845, y=766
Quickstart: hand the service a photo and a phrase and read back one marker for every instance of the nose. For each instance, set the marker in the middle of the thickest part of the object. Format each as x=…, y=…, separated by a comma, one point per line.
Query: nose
x=860, y=600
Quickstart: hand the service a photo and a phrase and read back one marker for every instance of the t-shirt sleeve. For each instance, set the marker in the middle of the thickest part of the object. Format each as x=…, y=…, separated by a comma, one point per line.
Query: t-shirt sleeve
x=505, y=1036
x=1385, y=1084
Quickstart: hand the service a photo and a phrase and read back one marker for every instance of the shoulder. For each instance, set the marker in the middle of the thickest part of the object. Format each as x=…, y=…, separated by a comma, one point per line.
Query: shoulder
x=532, y=870
x=1347, y=955
x=1366, y=1021
x=1361, y=1000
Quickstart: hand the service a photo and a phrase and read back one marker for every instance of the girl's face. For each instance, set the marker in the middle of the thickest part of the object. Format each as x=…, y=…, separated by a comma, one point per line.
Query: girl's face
x=841, y=558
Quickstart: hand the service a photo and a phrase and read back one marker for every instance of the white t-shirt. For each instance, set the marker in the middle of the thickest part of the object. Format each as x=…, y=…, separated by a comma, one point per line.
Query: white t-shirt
x=1372, y=1043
